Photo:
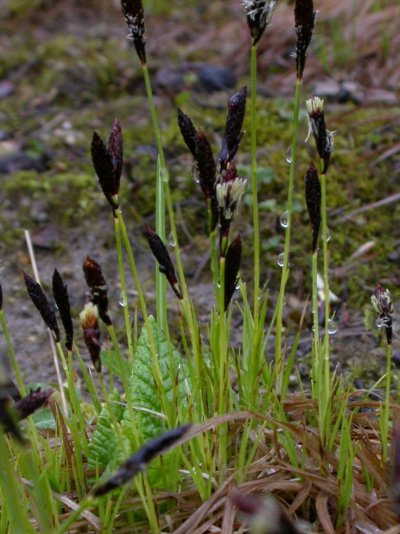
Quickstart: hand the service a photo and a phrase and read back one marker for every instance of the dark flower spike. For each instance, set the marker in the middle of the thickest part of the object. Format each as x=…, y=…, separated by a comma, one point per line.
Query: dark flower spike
x=163, y=258
x=134, y=16
x=382, y=303
x=45, y=309
x=188, y=131
x=233, y=128
x=313, y=201
x=259, y=14
x=205, y=165
x=107, y=161
x=232, y=265
x=323, y=137
x=138, y=461
x=32, y=402
x=98, y=288
x=89, y=318
x=265, y=514
x=304, y=18
x=60, y=295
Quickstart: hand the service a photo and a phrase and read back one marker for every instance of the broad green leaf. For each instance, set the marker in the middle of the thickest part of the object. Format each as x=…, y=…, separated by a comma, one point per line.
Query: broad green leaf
x=44, y=419
x=109, y=360
x=104, y=444
x=145, y=397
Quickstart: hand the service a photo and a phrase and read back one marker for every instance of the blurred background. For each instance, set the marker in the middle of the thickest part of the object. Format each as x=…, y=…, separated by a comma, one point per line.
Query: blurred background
x=67, y=69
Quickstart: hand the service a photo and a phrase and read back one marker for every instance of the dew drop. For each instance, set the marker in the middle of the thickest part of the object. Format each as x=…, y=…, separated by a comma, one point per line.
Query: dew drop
x=121, y=303
x=328, y=235
x=332, y=327
x=284, y=219
x=379, y=322
x=288, y=155
x=171, y=241
x=237, y=286
x=196, y=180
x=281, y=259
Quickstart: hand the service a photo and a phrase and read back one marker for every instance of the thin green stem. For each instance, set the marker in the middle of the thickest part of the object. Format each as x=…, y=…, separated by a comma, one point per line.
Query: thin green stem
x=279, y=356
x=161, y=303
x=386, y=407
x=326, y=286
x=253, y=175
x=317, y=364
x=124, y=294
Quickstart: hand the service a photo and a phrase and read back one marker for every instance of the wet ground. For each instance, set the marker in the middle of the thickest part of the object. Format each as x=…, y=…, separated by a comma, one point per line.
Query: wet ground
x=68, y=70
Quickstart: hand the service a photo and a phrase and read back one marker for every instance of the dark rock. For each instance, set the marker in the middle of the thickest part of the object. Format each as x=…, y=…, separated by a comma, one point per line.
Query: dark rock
x=195, y=76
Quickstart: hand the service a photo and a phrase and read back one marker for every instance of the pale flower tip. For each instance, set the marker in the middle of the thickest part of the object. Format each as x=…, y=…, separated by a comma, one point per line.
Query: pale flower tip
x=314, y=105
x=89, y=316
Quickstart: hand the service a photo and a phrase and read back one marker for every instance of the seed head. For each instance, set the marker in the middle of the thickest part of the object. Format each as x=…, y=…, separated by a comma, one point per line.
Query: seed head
x=43, y=306
x=163, y=258
x=323, y=137
x=107, y=161
x=60, y=295
x=313, y=201
x=259, y=14
x=138, y=461
x=32, y=402
x=232, y=265
x=188, y=131
x=233, y=128
x=89, y=318
x=304, y=17
x=382, y=303
x=97, y=288
x=134, y=16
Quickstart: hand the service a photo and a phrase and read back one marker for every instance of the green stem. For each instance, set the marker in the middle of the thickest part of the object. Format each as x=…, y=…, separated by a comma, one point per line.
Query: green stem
x=124, y=294
x=326, y=286
x=161, y=304
x=386, y=408
x=317, y=364
x=279, y=357
x=253, y=174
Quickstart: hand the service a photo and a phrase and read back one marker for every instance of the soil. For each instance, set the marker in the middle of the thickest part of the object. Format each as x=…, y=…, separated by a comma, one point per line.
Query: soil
x=68, y=70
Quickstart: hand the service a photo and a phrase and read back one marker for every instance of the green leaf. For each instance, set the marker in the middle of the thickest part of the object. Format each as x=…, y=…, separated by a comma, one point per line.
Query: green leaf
x=103, y=445
x=144, y=394
x=44, y=419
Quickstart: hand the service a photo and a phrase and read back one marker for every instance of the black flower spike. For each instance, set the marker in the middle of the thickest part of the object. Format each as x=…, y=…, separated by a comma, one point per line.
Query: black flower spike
x=259, y=14
x=134, y=16
x=323, y=137
x=233, y=128
x=97, y=287
x=45, y=309
x=60, y=295
x=383, y=306
x=205, y=165
x=313, y=201
x=163, y=258
x=138, y=461
x=89, y=318
x=107, y=161
x=232, y=265
x=188, y=131
x=32, y=402
x=304, y=17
